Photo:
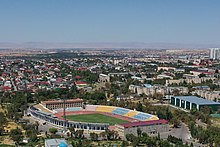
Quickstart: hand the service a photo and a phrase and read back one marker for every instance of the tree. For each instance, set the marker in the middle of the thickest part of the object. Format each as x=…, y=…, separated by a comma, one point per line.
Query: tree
x=139, y=132
x=16, y=135
x=139, y=107
x=206, y=110
x=157, y=96
x=2, y=131
x=2, y=119
x=53, y=130
x=124, y=143
x=102, y=135
x=202, y=75
x=79, y=134
x=135, y=141
x=175, y=122
x=93, y=136
x=72, y=131
x=31, y=131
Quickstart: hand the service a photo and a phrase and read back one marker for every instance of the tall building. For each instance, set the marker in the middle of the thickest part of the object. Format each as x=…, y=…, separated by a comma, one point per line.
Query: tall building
x=214, y=53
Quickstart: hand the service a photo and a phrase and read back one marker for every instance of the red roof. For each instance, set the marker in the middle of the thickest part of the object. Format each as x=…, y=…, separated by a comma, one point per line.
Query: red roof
x=59, y=80
x=144, y=123
x=80, y=83
x=81, y=68
x=78, y=77
x=6, y=88
x=5, y=74
x=44, y=83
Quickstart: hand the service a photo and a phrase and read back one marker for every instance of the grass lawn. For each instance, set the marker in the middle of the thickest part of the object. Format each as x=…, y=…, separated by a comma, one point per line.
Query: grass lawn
x=96, y=118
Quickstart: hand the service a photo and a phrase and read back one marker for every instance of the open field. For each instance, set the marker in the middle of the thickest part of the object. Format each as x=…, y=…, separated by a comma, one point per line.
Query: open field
x=96, y=118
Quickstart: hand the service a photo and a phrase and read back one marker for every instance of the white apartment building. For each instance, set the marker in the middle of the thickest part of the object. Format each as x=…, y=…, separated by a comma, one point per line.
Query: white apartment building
x=214, y=53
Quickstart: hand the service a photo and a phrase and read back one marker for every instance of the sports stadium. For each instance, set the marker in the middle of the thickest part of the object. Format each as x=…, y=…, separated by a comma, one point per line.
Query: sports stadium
x=87, y=117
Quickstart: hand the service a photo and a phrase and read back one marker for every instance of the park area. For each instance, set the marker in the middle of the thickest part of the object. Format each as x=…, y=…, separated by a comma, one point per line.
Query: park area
x=95, y=118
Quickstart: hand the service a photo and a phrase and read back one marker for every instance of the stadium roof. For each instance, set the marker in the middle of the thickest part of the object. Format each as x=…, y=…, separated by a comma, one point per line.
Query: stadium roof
x=144, y=123
x=197, y=100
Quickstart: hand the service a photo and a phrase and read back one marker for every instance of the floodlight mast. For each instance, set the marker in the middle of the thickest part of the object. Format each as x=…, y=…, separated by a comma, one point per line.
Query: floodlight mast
x=64, y=110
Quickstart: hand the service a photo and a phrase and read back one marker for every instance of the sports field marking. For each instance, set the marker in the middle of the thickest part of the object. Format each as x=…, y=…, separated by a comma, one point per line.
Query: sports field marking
x=96, y=118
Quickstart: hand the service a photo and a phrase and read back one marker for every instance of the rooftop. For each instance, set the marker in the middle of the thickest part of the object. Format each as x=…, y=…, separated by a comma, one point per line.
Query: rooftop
x=197, y=100
x=144, y=123
x=57, y=142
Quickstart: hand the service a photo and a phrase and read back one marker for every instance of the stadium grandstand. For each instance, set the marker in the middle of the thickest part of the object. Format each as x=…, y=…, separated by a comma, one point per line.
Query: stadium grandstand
x=88, y=117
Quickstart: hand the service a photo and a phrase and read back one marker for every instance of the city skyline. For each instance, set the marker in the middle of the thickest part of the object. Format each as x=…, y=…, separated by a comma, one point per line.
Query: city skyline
x=170, y=22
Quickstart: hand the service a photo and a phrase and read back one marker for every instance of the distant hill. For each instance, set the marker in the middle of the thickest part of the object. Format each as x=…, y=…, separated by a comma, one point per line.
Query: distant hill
x=46, y=45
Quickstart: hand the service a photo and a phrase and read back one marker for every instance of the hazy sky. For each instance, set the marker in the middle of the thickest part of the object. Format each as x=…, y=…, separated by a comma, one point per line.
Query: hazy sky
x=167, y=21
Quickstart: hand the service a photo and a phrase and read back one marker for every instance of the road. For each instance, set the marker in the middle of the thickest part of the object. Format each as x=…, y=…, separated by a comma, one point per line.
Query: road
x=182, y=133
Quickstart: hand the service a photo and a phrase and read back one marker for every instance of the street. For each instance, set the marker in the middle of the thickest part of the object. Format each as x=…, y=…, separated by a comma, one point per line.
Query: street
x=183, y=133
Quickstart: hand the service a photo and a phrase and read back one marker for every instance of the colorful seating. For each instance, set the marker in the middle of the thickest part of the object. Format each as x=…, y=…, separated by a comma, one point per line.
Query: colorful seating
x=42, y=108
x=108, y=109
x=91, y=107
x=120, y=111
x=131, y=113
x=142, y=116
x=74, y=109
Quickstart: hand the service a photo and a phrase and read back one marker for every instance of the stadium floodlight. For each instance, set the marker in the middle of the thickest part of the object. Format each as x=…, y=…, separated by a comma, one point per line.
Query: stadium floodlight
x=64, y=109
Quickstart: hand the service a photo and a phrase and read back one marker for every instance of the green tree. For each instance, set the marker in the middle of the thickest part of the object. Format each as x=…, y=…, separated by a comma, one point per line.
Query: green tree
x=139, y=107
x=53, y=130
x=16, y=135
x=72, y=131
x=93, y=136
x=3, y=120
x=79, y=134
x=139, y=132
x=2, y=131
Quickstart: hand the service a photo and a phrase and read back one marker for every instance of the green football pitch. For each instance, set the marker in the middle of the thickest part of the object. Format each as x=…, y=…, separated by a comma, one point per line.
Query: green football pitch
x=96, y=118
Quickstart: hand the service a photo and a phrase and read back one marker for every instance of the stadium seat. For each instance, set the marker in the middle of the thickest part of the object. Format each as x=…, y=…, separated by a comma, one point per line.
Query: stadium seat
x=91, y=107
x=74, y=109
x=131, y=113
x=108, y=109
x=38, y=106
x=142, y=116
x=120, y=111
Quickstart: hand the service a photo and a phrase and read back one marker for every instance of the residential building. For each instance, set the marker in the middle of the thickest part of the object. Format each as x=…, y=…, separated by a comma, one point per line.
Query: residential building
x=214, y=53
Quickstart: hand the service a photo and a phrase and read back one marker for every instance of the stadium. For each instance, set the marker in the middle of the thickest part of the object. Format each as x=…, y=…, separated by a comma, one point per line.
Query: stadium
x=89, y=117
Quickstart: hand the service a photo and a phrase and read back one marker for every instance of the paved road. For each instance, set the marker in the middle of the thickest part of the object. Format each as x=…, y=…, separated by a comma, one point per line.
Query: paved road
x=182, y=133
